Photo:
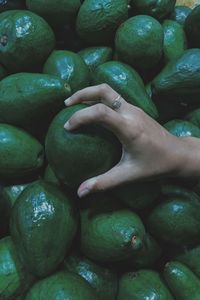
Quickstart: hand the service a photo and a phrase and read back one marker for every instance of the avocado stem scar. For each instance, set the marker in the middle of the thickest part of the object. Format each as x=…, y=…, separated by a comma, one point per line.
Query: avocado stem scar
x=4, y=40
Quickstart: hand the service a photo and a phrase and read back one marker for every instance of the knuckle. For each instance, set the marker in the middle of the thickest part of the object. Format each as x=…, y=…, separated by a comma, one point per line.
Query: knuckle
x=104, y=88
x=101, y=111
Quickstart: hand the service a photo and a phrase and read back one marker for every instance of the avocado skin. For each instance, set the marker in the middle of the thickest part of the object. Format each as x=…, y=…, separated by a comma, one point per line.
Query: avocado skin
x=142, y=285
x=127, y=82
x=139, y=42
x=180, y=77
x=182, y=128
x=27, y=49
x=15, y=163
x=102, y=279
x=62, y=285
x=182, y=282
x=69, y=67
x=14, y=280
x=191, y=258
x=95, y=56
x=194, y=117
x=98, y=20
x=56, y=14
x=29, y=99
x=11, y=4
x=176, y=221
x=3, y=72
x=43, y=224
x=50, y=176
x=180, y=14
x=81, y=154
x=192, y=27
x=175, y=42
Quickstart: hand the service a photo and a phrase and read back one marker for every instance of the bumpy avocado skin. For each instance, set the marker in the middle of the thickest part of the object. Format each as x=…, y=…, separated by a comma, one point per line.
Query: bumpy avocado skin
x=182, y=128
x=180, y=14
x=192, y=27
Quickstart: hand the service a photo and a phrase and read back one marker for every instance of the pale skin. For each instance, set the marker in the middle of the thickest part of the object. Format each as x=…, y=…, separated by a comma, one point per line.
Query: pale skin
x=149, y=150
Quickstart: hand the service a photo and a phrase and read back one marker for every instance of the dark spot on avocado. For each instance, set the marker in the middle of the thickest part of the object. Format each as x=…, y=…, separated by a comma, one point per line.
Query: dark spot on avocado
x=4, y=40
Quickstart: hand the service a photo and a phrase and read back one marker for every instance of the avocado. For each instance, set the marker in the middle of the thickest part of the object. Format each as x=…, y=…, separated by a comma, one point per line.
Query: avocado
x=139, y=195
x=98, y=20
x=14, y=280
x=3, y=72
x=143, y=285
x=182, y=282
x=56, y=13
x=157, y=9
x=26, y=40
x=180, y=14
x=95, y=56
x=194, y=117
x=102, y=279
x=50, y=176
x=191, y=258
x=43, y=224
x=176, y=221
x=11, y=4
x=175, y=42
x=182, y=128
x=20, y=153
x=180, y=77
x=110, y=232
x=172, y=190
x=62, y=286
x=127, y=82
x=70, y=67
x=39, y=96
x=139, y=42
x=192, y=27
x=81, y=154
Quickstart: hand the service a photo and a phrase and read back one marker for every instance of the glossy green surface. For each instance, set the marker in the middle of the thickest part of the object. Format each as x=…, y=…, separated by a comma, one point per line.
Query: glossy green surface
x=139, y=42
x=139, y=195
x=174, y=40
x=56, y=13
x=11, y=4
x=194, y=117
x=180, y=14
x=77, y=156
x=50, y=176
x=3, y=72
x=20, y=153
x=13, y=278
x=95, y=56
x=110, y=233
x=25, y=40
x=62, y=286
x=70, y=67
x=143, y=285
x=43, y=225
x=127, y=82
x=180, y=77
x=182, y=281
x=98, y=20
x=182, y=128
x=192, y=27
x=178, y=219
x=28, y=99
x=191, y=258
x=102, y=279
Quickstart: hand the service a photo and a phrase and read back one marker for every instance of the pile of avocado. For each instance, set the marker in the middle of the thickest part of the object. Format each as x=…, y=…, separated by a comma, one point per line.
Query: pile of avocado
x=140, y=241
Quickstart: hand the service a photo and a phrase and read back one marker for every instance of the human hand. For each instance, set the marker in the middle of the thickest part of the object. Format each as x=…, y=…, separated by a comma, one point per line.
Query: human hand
x=149, y=150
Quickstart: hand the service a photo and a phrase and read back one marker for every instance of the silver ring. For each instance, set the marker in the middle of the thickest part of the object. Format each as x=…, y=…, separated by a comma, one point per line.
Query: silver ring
x=116, y=103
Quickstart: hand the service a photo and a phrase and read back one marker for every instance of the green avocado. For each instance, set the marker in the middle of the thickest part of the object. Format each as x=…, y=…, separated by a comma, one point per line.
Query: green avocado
x=138, y=195
x=14, y=280
x=56, y=13
x=192, y=27
x=158, y=9
x=50, y=176
x=176, y=220
x=11, y=4
x=143, y=285
x=3, y=72
x=95, y=56
x=102, y=279
x=127, y=82
x=191, y=258
x=171, y=190
x=26, y=40
x=98, y=20
x=81, y=154
x=20, y=153
x=139, y=42
x=70, y=67
x=62, y=286
x=175, y=42
x=182, y=128
x=180, y=14
x=194, y=117
x=43, y=224
x=39, y=97
x=180, y=77
x=182, y=282
x=109, y=232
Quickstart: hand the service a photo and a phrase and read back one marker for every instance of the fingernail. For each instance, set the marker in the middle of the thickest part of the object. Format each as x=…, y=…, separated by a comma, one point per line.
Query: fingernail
x=67, y=126
x=83, y=193
x=67, y=101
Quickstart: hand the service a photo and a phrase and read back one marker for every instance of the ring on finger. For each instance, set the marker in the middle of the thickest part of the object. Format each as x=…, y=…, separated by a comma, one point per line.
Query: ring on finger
x=116, y=103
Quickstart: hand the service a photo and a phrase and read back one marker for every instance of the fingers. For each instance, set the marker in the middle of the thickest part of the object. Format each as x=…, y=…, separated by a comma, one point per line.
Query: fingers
x=100, y=93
